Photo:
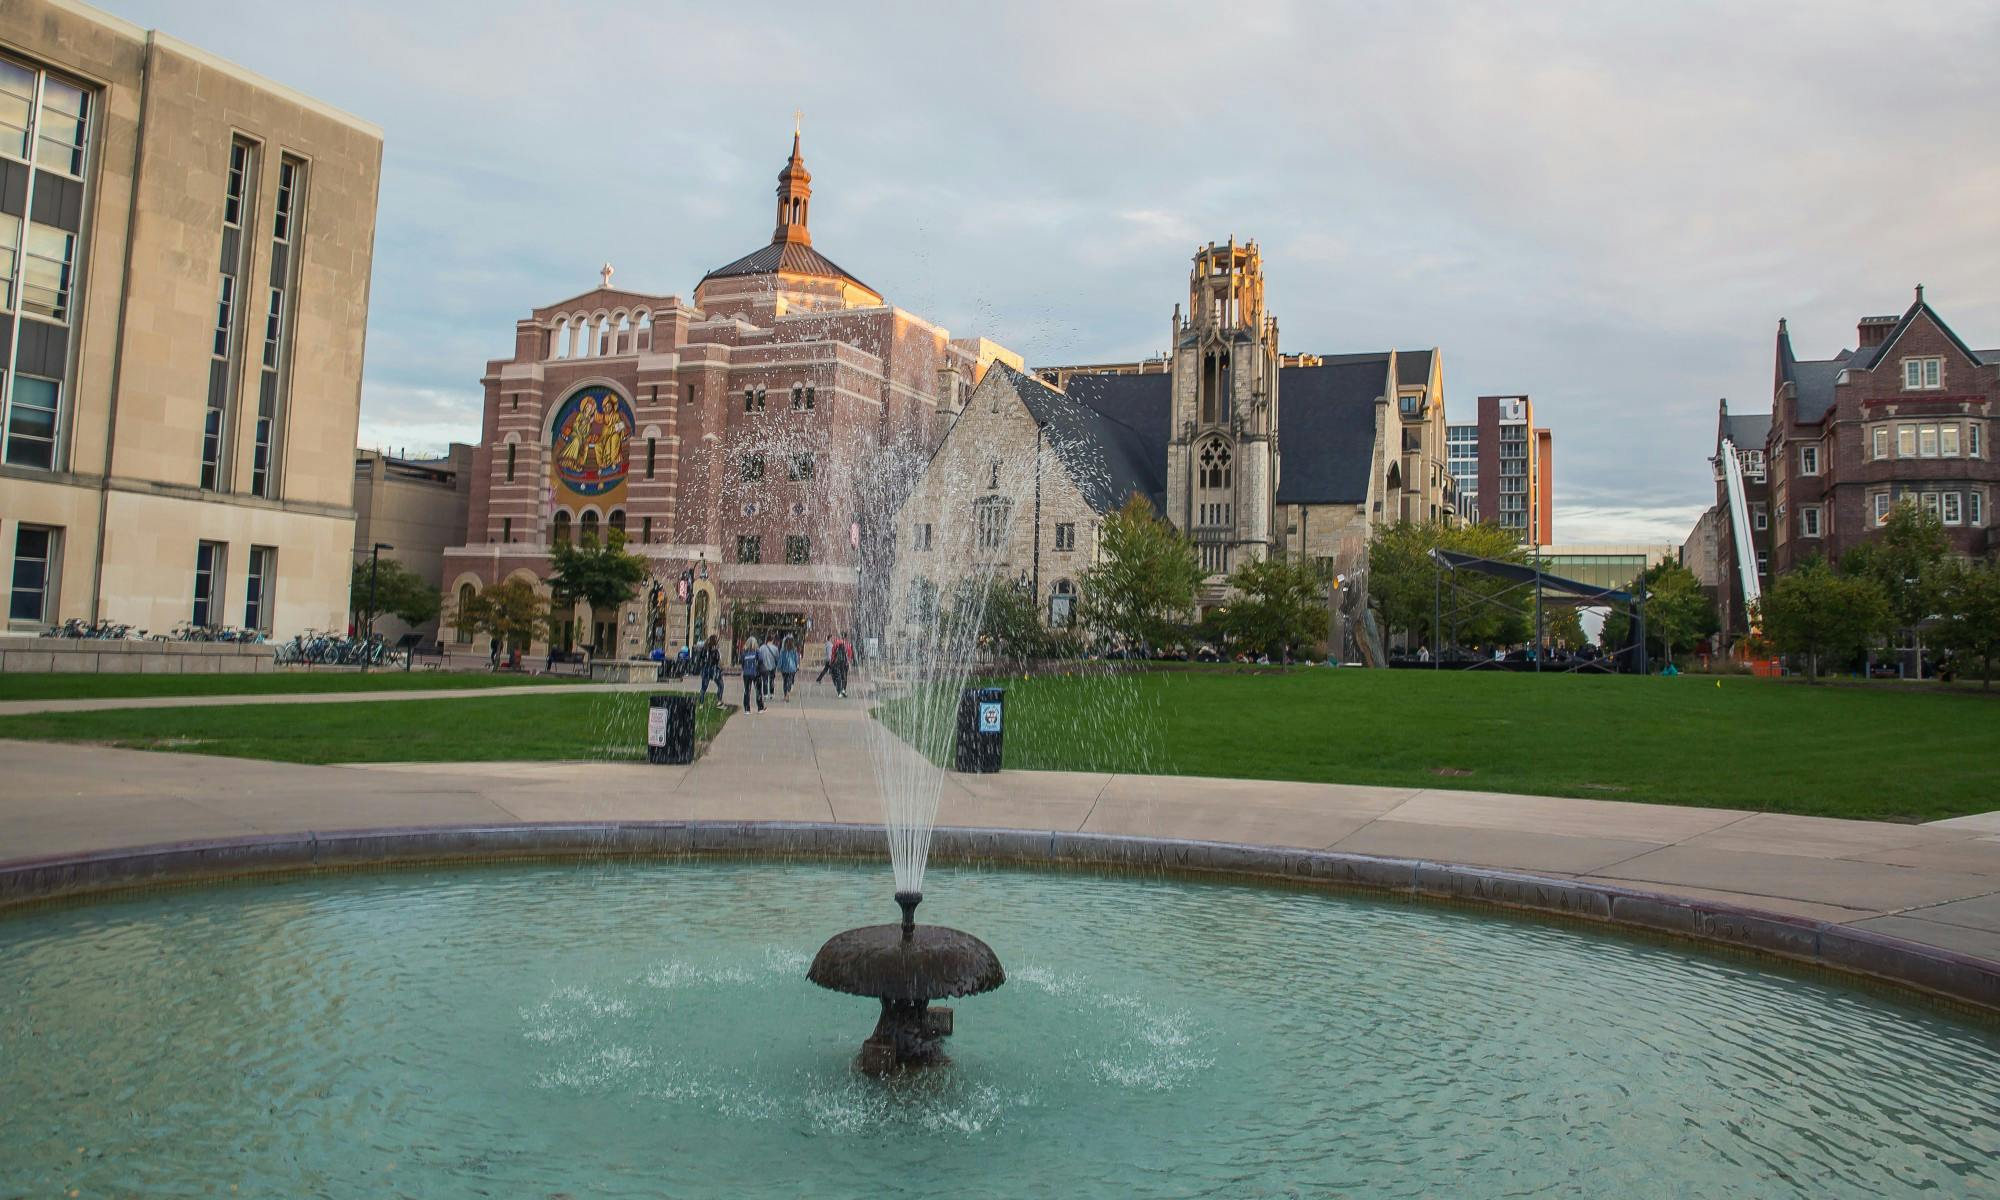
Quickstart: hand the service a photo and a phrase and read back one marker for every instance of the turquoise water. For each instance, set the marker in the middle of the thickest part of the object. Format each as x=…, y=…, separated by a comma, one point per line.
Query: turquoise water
x=646, y=1030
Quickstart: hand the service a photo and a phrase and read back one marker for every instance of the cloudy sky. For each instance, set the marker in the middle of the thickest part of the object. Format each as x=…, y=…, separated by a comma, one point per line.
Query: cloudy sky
x=1607, y=206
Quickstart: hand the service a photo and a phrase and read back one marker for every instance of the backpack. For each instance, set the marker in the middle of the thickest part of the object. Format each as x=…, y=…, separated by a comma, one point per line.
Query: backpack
x=840, y=654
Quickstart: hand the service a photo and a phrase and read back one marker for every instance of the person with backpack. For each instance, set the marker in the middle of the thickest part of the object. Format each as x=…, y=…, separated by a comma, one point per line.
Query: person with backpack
x=708, y=660
x=767, y=669
x=788, y=665
x=752, y=689
x=837, y=660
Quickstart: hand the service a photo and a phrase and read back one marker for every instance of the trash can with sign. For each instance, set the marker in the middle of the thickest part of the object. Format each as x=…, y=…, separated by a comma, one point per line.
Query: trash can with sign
x=670, y=729
x=980, y=716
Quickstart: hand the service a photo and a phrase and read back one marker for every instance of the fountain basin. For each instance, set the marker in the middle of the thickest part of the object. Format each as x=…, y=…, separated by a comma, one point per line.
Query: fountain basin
x=639, y=1028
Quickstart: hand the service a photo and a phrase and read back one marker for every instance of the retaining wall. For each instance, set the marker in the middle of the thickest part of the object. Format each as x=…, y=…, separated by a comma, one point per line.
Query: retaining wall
x=107, y=656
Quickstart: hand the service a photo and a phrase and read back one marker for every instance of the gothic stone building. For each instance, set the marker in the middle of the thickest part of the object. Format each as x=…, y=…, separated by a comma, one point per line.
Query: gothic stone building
x=722, y=435
x=1250, y=452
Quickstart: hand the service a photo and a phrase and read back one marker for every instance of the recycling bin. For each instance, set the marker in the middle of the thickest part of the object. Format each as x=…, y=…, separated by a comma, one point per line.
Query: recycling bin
x=981, y=713
x=670, y=729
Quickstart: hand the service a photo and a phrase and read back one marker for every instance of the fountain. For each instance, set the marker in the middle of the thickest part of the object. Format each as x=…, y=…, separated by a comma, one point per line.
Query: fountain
x=906, y=967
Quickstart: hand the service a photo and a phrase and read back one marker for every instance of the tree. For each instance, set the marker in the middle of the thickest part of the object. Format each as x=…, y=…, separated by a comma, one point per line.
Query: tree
x=1403, y=583
x=1903, y=559
x=1564, y=626
x=1678, y=612
x=1281, y=606
x=1814, y=612
x=1969, y=595
x=1008, y=622
x=1144, y=582
x=397, y=590
x=511, y=611
x=601, y=575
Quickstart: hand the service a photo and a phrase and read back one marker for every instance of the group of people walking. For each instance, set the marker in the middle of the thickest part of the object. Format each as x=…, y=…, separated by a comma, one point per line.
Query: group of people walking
x=763, y=664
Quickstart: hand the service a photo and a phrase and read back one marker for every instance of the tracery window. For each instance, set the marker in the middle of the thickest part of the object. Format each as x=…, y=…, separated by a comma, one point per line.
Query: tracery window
x=1213, y=466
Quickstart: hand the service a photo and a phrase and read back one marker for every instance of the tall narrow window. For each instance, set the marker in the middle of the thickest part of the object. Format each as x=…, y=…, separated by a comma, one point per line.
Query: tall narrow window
x=1906, y=441
x=1951, y=512
x=1881, y=507
x=1948, y=441
x=559, y=529
x=1808, y=460
x=274, y=383
x=34, y=574
x=512, y=449
x=798, y=549
x=617, y=521
x=800, y=466
x=274, y=321
x=809, y=397
x=65, y=118
x=225, y=315
x=507, y=529
x=752, y=468
x=652, y=455
x=798, y=396
x=239, y=187
x=289, y=171
x=1881, y=441
x=257, y=589
x=747, y=549
x=10, y=252
x=586, y=529
x=31, y=422
x=646, y=530
x=207, y=583
x=467, y=598
x=46, y=271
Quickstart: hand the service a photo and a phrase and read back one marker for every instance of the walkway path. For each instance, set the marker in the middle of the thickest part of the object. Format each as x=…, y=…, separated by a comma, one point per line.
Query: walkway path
x=1937, y=884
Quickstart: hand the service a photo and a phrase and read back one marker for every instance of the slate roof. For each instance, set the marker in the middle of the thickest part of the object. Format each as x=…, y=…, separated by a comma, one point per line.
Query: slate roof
x=1814, y=380
x=1111, y=431
x=794, y=258
x=1326, y=431
x=1413, y=367
x=1749, y=431
x=1109, y=458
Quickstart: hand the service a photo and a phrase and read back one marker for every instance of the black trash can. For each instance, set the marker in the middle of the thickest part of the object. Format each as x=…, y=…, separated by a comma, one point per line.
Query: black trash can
x=670, y=729
x=980, y=712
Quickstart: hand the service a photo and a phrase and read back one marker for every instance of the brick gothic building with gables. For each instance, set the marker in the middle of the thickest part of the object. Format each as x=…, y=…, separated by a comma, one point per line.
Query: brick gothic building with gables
x=1904, y=417
x=722, y=436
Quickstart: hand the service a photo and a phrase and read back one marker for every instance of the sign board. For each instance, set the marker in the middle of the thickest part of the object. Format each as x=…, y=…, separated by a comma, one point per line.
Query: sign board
x=989, y=716
x=656, y=727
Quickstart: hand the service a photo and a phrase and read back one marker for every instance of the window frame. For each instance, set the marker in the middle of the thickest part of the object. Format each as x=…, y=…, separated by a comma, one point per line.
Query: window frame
x=1906, y=441
x=1951, y=508
x=8, y=436
x=258, y=583
x=1882, y=504
x=798, y=550
x=1809, y=521
x=749, y=549
x=1879, y=442
x=210, y=600
x=1065, y=536
x=51, y=574
x=1809, y=460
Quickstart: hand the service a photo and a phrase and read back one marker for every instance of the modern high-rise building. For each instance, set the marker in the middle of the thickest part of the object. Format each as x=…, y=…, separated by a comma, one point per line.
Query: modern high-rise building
x=1505, y=468
x=184, y=261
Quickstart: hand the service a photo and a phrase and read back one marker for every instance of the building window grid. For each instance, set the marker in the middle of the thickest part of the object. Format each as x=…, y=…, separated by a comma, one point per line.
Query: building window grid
x=1922, y=374
x=798, y=549
x=33, y=572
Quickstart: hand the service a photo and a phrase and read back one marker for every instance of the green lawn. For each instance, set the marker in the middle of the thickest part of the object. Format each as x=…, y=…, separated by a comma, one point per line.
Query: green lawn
x=587, y=725
x=1873, y=753
x=72, y=686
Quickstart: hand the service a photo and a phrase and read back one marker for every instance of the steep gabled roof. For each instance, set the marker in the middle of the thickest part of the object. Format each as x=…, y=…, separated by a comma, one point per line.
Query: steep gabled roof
x=1814, y=380
x=1870, y=359
x=1413, y=367
x=1108, y=460
x=1326, y=430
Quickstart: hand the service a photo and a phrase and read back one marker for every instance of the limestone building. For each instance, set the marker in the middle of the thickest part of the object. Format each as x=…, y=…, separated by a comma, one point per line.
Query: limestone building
x=755, y=436
x=1251, y=452
x=184, y=263
x=416, y=507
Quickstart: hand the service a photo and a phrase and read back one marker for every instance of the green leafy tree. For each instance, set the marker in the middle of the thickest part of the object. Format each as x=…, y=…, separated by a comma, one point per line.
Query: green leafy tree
x=511, y=611
x=1144, y=581
x=397, y=591
x=1969, y=595
x=1678, y=612
x=1281, y=605
x=1816, y=613
x=1009, y=626
x=1564, y=627
x=601, y=575
x=1403, y=584
x=1903, y=559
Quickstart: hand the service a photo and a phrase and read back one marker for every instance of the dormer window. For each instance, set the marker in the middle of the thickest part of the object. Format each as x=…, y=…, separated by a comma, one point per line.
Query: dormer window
x=1922, y=374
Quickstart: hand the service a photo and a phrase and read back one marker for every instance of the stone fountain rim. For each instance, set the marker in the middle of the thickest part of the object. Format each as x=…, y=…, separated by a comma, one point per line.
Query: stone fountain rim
x=1951, y=975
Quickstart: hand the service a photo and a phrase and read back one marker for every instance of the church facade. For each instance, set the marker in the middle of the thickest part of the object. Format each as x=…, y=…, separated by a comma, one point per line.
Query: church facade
x=1250, y=452
x=737, y=437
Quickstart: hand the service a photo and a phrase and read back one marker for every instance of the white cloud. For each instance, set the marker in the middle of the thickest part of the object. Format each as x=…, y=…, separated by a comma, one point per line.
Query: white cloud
x=1605, y=206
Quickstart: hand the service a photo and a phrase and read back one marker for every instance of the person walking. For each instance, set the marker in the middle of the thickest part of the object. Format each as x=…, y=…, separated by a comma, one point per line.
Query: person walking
x=838, y=660
x=708, y=661
x=752, y=689
x=493, y=653
x=767, y=669
x=788, y=665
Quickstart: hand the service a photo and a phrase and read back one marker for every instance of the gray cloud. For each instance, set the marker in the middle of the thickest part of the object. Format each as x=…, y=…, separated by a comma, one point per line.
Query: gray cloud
x=1607, y=206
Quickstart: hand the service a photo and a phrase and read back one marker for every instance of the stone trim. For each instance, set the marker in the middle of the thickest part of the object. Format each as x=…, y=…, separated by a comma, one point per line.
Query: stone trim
x=1932, y=970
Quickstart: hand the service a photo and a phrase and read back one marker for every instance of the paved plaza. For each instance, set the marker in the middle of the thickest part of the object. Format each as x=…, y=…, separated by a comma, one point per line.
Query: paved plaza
x=1936, y=884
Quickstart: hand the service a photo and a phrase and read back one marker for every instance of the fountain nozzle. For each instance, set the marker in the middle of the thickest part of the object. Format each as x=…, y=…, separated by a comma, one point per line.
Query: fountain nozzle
x=909, y=901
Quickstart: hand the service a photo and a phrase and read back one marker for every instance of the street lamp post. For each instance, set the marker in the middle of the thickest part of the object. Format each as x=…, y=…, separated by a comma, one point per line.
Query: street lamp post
x=374, y=569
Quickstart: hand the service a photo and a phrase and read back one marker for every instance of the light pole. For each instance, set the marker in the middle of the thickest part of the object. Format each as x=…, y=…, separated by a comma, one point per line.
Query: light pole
x=374, y=568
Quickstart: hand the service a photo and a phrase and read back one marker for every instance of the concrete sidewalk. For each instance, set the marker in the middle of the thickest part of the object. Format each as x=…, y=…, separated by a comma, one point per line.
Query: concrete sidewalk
x=812, y=760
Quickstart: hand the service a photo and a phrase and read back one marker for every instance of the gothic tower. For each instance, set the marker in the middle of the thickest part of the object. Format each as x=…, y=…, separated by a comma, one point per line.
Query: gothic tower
x=1222, y=464
x=794, y=198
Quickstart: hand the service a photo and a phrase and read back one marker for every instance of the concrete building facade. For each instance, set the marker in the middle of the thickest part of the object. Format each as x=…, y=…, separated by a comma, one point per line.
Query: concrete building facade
x=417, y=507
x=185, y=252
x=757, y=437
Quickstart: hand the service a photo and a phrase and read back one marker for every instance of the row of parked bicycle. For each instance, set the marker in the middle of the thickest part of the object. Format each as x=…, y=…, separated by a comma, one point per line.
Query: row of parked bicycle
x=332, y=649
x=118, y=631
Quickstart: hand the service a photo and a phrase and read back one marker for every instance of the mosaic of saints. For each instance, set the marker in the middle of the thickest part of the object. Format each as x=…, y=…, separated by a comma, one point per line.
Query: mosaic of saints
x=594, y=436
